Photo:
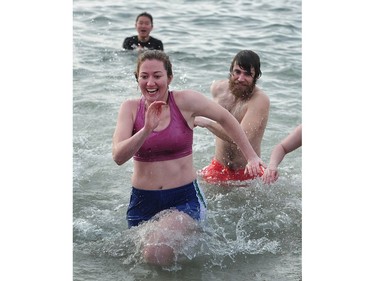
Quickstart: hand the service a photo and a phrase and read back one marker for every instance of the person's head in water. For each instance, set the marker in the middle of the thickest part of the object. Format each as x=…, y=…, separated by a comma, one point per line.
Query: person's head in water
x=144, y=24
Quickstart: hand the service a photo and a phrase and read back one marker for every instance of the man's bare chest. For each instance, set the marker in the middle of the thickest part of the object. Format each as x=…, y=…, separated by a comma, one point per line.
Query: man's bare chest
x=236, y=107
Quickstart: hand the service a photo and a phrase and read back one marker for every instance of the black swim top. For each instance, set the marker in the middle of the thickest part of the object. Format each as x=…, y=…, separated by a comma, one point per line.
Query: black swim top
x=131, y=43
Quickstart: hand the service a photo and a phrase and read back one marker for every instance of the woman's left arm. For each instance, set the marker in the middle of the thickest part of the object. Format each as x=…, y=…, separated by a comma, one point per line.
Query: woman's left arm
x=196, y=104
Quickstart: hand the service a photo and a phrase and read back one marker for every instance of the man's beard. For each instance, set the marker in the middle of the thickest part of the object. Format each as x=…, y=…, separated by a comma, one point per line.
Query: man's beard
x=242, y=91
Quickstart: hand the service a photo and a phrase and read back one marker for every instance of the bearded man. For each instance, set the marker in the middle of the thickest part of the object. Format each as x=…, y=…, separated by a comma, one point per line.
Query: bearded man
x=240, y=95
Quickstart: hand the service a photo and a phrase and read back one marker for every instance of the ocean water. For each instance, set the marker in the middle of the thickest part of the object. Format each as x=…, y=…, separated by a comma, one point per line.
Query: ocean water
x=253, y=230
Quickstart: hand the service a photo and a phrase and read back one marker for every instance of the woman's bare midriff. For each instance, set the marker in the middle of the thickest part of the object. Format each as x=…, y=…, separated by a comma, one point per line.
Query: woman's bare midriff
x=163, y=174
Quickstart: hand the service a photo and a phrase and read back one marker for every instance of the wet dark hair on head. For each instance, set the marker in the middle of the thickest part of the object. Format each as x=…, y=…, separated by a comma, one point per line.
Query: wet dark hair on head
x=145, y=14
x=154, y=55
x=247, y=59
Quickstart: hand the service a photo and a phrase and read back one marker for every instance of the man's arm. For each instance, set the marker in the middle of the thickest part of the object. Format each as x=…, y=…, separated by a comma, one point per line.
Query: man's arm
x=253, y=123
x=255, y=119
x=217, y=87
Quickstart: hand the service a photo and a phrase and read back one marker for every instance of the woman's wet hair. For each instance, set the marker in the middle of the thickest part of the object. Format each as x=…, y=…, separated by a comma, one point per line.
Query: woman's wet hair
x=247, y=59
x=154, y=55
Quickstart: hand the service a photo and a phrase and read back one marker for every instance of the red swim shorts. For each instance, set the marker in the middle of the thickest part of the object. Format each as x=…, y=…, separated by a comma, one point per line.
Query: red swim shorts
x=217, y=172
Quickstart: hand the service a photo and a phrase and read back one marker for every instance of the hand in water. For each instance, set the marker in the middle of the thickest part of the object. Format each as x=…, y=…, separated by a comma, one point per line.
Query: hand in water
x=270, y=175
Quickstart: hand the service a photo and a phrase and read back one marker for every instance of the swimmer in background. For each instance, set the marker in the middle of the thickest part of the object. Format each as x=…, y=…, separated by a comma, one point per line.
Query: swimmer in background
x=143, y=24
x=249, y=104
x=287, y=145
x=156, y=130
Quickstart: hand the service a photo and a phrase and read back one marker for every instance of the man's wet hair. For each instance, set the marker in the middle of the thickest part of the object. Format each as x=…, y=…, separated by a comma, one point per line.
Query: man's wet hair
x=145, y=14
x=247, y=59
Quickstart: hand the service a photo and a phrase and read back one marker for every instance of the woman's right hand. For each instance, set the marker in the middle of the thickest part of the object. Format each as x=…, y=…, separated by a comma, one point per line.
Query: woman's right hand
x=153, y=113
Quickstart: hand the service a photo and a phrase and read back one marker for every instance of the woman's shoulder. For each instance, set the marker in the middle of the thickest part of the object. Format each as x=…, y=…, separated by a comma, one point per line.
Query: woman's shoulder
x=130, y=104
x=132, y=101
x=187, y=98
x=186, y=94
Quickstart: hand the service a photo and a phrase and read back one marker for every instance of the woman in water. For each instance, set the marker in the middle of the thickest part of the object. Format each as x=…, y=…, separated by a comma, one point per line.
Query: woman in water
x=156, y=130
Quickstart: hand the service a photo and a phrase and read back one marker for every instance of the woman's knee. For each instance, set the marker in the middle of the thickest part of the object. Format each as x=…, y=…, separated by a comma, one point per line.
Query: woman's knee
x=161, y=254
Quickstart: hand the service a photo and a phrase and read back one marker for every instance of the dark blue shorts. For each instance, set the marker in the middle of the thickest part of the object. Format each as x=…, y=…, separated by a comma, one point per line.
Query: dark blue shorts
x=144, y=204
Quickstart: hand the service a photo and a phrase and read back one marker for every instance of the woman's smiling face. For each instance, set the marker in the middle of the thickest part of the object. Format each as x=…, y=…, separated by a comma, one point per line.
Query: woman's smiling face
x=153, y=80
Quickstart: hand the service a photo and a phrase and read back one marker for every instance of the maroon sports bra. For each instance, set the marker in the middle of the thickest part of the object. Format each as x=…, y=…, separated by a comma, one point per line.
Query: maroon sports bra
x=175, y=141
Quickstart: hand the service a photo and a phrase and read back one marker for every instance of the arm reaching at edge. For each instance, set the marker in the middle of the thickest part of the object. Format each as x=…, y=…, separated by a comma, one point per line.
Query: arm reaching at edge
x=287, y=145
